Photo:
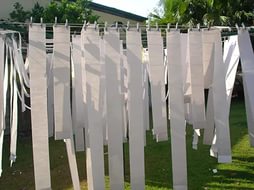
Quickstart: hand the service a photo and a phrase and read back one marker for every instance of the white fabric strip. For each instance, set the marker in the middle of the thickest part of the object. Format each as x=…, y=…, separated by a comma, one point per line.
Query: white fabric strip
x=197, y=79
x=2, y=81
x=114, y=108
x=94, y=147
x=62, y=105
x=135, y=109
x=231, y=58
x=14, y=121
x=103, y=102
x=11, y=83
x=84, y=88
x=6, y=82
x=61, y=71
x=146, y=96
x=214, y=148
x=209, y=130
x=77, y=88
x=72, y=162
x=177, y=118
x=27, y=65
x=196, y=135
x=19, y=66
x=38, y=90
x=155, y=48
x=50, y=94
x=5, y=87
x=186, y=77
x=221, y=112
x=125, y=91
x=208, y=37
x=247, y=57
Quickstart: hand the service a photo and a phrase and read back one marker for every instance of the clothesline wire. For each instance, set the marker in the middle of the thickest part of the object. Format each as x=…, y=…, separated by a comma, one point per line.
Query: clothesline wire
x=125, y=26
x=75, y=29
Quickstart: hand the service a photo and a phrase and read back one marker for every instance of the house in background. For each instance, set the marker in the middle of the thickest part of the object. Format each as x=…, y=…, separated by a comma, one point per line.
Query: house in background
x=113, y=15
x=105, y=13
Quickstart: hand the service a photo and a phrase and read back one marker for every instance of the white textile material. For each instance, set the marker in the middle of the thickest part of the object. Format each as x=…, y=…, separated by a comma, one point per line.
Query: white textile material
x=61, y=71
x=247, y=62
x=155, y=50
x=38, y=90
x=103, y=102
x=197, y=79
x=114, y=115
x=77, y=95
x=208, y=38
x=69, y=143
x=135, y=110
x=221, y=112
x=124, y=91
x=2, y=63
x=14, y=119
x=50, y=97
x=177, y=116
x=94, y=136
x=231, y=58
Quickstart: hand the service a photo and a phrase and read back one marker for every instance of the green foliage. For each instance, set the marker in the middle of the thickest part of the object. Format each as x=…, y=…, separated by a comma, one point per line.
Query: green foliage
x=75, y=11
x=19, y=14
x=37, y=12
x=216, y=12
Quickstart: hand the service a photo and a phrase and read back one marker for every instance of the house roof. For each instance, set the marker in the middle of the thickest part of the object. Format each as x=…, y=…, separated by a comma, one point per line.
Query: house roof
x=117, y=12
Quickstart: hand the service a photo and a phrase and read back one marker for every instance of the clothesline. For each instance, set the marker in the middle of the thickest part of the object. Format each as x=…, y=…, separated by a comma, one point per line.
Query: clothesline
x=138, y=25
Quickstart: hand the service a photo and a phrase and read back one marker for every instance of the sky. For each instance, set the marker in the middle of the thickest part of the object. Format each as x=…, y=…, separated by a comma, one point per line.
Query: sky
x=139, y=7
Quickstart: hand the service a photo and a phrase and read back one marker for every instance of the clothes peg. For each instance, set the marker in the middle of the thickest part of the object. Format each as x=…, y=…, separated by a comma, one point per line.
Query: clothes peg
x=116, y=26
x=128, y=25
x=55, y=22
x=66, y=23
x=190, y=27
x=208, y=25
x=157, y=26
x=84, y=25
x=243, y=25
x=168, y=27
x=31, y=21
x=106, y=26
x=176, y=26
x=237, y=27
x=41, y=21
x=149, y=26
x=198, y=26
x=138, y=27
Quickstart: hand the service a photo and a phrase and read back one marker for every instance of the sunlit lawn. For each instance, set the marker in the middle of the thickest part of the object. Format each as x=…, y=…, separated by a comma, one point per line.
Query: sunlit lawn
x=238, y=175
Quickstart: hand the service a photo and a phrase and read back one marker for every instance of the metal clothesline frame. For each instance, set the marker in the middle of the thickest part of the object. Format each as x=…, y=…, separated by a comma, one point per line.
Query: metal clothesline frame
x=75, y=28
x=128, y=25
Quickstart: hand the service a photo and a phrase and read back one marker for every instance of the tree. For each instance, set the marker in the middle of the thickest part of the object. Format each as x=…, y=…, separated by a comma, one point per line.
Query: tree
x=169, y=11
x=215, y=12
x=37, y=12
x=75, y=11
x=19, y=14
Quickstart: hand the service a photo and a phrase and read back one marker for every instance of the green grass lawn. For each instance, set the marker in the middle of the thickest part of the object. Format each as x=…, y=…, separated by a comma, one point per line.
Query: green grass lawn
x=238, y=175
